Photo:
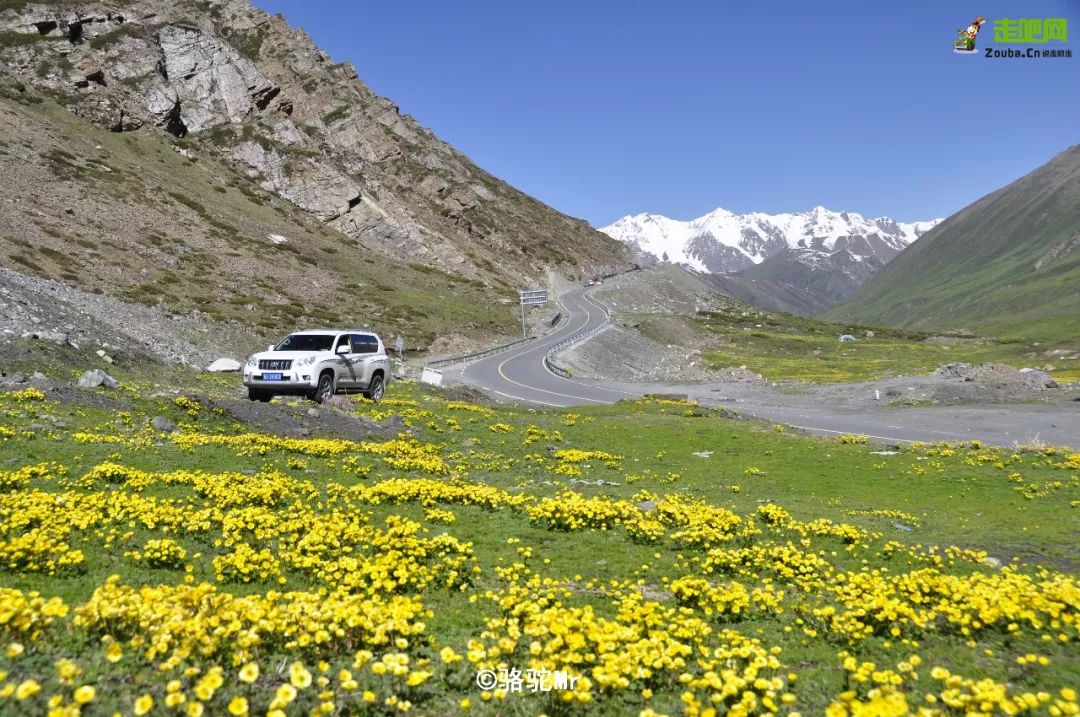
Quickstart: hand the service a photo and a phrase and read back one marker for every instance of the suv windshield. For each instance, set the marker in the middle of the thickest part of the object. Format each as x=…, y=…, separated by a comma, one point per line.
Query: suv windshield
x=306, y=342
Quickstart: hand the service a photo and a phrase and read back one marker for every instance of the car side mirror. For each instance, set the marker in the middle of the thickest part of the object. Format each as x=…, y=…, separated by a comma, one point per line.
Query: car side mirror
x=343, y=349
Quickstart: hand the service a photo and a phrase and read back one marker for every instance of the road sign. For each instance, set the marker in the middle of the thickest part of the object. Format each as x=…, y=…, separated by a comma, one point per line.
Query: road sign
x=531, y=297
x=534, y=297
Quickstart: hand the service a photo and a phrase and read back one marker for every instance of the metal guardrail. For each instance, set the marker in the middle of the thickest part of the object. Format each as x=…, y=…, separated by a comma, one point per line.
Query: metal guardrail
x=557, y=320
x=549, y=356
x=478, y=354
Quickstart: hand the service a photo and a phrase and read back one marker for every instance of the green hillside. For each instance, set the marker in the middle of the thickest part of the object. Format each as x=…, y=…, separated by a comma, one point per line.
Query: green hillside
x=1009, y=264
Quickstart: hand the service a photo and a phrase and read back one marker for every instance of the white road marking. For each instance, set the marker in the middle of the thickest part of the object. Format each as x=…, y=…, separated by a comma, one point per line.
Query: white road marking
x=868, y=435
x=528, y=400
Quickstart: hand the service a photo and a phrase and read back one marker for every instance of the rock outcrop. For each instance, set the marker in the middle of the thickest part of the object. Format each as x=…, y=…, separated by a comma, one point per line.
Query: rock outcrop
x=228, y=80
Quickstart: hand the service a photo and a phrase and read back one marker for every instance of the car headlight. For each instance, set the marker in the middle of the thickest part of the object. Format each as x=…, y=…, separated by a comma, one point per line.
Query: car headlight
x=252, y=361
x=306, y=361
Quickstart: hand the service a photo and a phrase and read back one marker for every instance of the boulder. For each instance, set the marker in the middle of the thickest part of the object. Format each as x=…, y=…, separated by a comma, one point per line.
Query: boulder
x=55, y=337
x=96, y=377
x=1040, y=375
x=161, y=423
x=223, y=365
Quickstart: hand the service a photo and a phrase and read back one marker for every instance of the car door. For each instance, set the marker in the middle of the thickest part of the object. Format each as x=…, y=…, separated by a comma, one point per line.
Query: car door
x=345, y=363
x=366, y=348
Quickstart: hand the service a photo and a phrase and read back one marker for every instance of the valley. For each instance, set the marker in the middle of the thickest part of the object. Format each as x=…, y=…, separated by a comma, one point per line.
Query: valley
x=803, y=463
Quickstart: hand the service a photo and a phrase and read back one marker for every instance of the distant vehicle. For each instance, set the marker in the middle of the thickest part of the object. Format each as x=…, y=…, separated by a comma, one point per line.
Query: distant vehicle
x=318, y=364
x=595, y=282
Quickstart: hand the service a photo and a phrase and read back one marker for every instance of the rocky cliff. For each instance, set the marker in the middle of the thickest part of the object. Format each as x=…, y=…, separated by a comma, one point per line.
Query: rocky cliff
x=267, y=115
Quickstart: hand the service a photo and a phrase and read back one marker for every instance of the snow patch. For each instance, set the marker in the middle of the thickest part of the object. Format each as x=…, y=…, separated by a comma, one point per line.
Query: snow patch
x=755, y=236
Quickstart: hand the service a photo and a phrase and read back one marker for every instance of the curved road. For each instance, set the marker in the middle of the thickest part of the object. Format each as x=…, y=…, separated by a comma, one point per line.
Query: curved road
x=521, y=375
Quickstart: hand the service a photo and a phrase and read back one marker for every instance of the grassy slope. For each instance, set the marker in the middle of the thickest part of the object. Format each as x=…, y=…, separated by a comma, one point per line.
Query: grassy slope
x=978, y=268
x=664, y=304
x=785, y=347
x=1008, y=505
x=149, y=225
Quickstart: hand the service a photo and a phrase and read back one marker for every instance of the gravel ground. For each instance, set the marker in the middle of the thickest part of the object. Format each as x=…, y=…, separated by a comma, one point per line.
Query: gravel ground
x=51, y=311
x=295, y=419
x=305, y=419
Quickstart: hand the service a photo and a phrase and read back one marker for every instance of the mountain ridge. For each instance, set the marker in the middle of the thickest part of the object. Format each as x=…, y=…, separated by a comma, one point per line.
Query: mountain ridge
x=1009, y=262
x=724, y=242
x=803, y=262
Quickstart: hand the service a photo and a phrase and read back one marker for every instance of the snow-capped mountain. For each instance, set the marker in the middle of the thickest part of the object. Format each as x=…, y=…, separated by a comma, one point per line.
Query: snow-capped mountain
x=723, y=242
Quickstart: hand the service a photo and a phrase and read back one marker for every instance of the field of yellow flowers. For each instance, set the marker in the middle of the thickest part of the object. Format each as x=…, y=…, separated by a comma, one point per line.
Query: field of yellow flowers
x=661, y=558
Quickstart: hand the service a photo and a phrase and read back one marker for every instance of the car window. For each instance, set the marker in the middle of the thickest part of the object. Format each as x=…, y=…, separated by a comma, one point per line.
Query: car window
x=365, y=344
x=343, y=340
x=306, y=342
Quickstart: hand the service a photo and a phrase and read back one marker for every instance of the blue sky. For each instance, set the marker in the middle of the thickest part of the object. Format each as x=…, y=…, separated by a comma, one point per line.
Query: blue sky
x=609, y=107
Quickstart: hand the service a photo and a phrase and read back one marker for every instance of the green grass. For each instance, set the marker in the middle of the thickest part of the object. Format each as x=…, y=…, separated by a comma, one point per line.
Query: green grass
x=1006, y=266
x=1015, y=506
x=784, y=347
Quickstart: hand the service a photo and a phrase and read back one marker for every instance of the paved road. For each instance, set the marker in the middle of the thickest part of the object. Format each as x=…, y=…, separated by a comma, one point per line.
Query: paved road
x=520, y=375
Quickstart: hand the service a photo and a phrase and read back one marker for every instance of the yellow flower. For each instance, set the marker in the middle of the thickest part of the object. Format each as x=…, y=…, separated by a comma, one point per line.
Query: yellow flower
x=114, y=652
x=368, y=696
x=15, y=649
x=299, y=676
x=27, y=689
x=417, y=678
x=465, y=704
x=194, y=709
x=85, y=694
x=144, y=704
x=249, y=672
x=286, y=693
x=238, y=706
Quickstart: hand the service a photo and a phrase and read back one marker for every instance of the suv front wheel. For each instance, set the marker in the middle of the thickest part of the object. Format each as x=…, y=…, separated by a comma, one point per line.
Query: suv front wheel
x=325, y=389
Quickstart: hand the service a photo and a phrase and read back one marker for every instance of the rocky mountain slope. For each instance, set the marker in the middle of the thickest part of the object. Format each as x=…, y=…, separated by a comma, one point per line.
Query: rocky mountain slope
x=803, y=263
x=1009, y=263
x=799, y=281
x=207, y=157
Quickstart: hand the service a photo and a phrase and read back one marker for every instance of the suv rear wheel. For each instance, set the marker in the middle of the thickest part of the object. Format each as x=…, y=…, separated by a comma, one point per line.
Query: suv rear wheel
x=375, y=388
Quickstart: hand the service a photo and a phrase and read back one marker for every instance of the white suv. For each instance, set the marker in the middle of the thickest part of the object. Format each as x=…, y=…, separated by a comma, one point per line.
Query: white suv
x=318, y=364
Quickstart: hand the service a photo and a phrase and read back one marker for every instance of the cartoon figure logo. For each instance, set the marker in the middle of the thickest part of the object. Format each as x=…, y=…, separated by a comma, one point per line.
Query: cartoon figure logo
x=965, y=38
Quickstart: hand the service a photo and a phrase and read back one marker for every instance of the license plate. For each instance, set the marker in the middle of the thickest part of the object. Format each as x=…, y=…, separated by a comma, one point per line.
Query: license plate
x=271, y=377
